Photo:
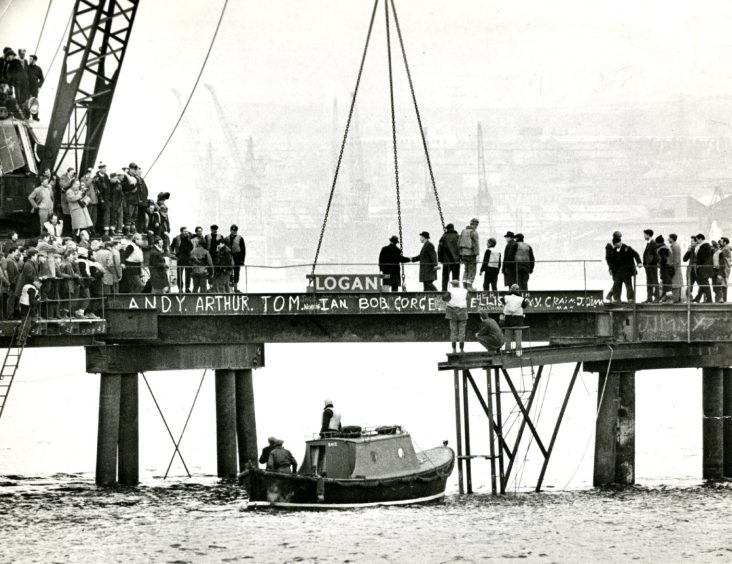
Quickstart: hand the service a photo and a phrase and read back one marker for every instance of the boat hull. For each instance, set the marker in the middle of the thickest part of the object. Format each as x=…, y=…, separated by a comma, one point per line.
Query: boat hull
x=275, y=489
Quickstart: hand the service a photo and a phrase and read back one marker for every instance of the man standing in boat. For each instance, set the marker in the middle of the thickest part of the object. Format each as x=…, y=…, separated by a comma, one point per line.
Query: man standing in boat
x=264, y=457
x=281, y=459
x=331, y=422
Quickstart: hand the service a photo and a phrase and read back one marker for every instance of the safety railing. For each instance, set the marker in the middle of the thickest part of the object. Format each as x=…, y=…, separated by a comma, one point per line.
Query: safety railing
x=576, y=274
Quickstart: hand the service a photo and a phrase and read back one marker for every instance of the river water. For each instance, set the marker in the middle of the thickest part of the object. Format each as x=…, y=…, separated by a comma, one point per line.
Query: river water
x=51, y=511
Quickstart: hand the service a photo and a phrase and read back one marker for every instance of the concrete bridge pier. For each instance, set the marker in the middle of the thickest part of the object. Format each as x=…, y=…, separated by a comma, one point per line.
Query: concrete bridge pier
x=119, y=366
x=118, y=433
x=713, y=448
x=615, y=429
x=235, y=422
x=727, y=424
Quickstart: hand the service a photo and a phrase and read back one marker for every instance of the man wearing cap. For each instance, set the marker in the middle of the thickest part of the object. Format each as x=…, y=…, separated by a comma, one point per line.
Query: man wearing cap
x=281, y=459
x=264, y=457
x=331, y=420
x=182, y=246
x=235, y=242
x=469, y=245
x=448, y=253
x=158, y=268
x=650, y=265
x=509, y=259
x=103, y=187
x=29, y=272
x=390, y=259
x=35, y=79
x=427, y=259
x=41, y=199
x=213, y=240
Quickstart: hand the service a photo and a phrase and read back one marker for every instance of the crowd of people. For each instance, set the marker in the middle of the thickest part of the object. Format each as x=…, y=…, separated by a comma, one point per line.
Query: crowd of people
x=102, y=203
x=707, y=267
x=20, y=81
x=456, y=250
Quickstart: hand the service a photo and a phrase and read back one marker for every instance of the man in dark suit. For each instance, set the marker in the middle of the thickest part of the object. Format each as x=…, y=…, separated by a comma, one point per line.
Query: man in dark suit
x=390, y=259
x=622, y=263
x=427, y=259
x=650, y=264
x=704, y=269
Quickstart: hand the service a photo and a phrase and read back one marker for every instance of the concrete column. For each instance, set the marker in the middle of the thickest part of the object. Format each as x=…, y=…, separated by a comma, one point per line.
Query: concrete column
x=246, y=422
x=712, y=424
x=129, y=434
x=727, y=425
x=226, y=459
x=608, y=390
x=625, y=443
x=108, y=429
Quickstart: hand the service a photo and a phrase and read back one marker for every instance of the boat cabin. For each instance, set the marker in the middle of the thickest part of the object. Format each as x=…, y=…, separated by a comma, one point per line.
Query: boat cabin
x=358, y=454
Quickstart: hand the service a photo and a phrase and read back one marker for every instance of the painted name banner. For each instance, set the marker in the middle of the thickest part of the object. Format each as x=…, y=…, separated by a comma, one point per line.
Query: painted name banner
x=344, y=282
x=328, y=304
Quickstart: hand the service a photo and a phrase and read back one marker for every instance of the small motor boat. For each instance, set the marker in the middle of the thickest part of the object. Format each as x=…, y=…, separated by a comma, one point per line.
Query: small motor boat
x=355, y=468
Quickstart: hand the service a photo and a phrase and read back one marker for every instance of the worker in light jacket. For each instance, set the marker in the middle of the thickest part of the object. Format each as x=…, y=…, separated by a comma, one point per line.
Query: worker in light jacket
x=427, y=259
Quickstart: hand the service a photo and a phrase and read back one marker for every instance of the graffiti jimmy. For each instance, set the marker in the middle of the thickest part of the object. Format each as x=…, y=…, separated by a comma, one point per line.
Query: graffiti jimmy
x=319, y=303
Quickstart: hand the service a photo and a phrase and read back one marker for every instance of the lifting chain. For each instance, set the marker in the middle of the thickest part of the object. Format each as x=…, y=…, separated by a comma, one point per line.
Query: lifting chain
x=394, y=137
x=416, y=111
x=345, y=137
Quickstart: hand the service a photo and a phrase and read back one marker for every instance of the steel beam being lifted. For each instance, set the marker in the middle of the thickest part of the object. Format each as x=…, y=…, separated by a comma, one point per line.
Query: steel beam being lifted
x=93, y=56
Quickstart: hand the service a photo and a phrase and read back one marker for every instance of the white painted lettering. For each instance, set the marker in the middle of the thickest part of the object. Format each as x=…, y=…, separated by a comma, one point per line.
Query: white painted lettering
x=133, y=304
x=279, y=303
x=180, y=300
x=166, y=303
x=151, y=302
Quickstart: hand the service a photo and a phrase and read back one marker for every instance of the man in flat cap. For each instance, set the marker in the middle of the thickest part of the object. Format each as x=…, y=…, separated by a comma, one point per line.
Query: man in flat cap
x=235, y=242
x=213, y=240
x=264, y=457
x=469, y=246
x=390, y=260
x=509, y=259
x=428, y=266
x=281, y=459
x=448, y=253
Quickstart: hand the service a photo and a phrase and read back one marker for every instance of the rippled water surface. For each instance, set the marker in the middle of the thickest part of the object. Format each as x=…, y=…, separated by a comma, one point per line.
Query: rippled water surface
x=50, y=510
x=66, y=519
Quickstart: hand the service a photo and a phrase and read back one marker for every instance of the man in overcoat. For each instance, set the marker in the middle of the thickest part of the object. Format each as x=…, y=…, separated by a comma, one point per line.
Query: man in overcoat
x=427, y=259
x=390, y=260
x=622, y=263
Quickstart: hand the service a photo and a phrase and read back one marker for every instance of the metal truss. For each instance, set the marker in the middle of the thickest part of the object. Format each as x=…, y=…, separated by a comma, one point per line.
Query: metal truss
x=94, y=52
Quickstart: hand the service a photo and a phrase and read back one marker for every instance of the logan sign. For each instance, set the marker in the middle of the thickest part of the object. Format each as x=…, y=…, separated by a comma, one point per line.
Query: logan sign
x=344, y=283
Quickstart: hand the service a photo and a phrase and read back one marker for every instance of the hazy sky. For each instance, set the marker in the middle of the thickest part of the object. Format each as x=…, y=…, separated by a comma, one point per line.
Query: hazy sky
x=464, y=53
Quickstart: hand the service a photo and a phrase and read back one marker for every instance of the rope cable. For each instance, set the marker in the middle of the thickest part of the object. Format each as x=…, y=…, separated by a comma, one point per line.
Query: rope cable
x=185, y=425
x=597, y=414
x=416, y=111
x=193, y=90
x=345, y=137
x=6, y=9
x=393, y=133
x=43, y=26
x=165, y=422
x=60, y=43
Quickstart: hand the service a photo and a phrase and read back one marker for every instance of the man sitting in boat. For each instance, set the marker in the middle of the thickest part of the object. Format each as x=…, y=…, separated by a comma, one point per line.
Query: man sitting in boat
x=331, y=423
x=281, y=459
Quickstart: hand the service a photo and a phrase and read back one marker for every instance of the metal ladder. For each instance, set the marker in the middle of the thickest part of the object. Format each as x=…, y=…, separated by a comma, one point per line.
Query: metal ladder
x=11, y=362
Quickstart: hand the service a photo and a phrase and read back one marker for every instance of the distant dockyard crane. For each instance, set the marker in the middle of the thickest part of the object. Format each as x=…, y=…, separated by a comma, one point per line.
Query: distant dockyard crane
x=483, y=201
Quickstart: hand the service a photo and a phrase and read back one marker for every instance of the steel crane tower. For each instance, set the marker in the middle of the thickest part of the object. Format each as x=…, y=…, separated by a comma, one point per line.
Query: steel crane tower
x=93, y=56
